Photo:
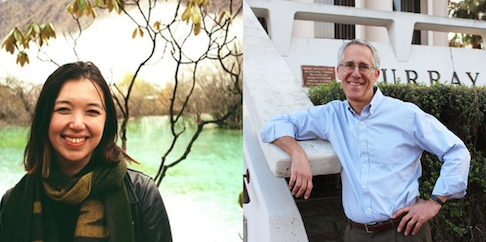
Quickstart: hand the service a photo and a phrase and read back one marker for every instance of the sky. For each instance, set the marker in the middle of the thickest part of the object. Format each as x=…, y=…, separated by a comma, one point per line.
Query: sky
x=108, y=44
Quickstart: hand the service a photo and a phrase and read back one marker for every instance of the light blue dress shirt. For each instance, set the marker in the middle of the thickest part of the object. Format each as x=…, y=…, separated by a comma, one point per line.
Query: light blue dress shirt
x=380, y=152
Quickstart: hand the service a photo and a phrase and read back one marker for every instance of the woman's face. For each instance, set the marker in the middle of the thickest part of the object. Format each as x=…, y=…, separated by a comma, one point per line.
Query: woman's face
x=77, y=124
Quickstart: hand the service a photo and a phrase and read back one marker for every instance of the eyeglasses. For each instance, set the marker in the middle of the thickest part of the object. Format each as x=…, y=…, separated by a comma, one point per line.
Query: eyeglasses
x=363, y=68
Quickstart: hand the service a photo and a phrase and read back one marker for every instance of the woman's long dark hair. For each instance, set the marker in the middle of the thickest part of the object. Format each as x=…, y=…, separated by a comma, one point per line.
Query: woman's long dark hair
x=38, y=152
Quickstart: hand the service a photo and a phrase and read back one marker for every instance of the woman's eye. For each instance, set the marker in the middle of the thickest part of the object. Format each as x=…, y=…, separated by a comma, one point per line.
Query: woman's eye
x=94, y=112
x=61, y=110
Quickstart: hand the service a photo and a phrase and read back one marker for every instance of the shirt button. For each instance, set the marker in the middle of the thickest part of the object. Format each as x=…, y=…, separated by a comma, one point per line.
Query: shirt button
x=361, y=123
x=364, y=186
x=365, y=166
x=362, y=144
x=369, y=209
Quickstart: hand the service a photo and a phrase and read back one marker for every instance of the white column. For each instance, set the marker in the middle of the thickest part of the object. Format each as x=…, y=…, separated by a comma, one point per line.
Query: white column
x=429, y=10
x=360, y=29
x=440, y=9
x=303, y=29
x=377, y=34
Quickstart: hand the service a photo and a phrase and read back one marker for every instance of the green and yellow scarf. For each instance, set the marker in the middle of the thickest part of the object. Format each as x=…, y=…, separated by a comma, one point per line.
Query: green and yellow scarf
x=104, y=214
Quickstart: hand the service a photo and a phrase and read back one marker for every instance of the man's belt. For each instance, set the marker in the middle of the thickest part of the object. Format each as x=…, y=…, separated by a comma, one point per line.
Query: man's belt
x=377, y=227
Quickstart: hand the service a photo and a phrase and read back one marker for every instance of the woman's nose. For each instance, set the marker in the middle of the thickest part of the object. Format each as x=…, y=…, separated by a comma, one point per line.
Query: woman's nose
x=77, y=122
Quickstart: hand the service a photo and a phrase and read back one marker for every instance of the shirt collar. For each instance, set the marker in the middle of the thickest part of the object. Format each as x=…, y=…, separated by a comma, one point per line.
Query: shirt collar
x=377, y=98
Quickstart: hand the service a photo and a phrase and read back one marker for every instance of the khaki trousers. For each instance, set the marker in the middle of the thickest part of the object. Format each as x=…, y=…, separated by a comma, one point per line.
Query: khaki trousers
x=391, y=235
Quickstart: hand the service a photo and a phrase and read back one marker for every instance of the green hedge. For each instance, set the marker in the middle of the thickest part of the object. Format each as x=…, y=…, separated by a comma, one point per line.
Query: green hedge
x=462, y=109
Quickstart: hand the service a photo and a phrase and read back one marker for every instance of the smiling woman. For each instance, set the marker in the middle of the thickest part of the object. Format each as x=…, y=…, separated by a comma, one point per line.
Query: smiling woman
x=77, y=179
x=77, y=124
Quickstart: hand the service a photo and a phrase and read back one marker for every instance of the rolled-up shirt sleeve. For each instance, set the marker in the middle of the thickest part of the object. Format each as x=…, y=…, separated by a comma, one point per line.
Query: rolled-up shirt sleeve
x=308, y=124
x=276, y=127
x=454, y=172
x=434, y=137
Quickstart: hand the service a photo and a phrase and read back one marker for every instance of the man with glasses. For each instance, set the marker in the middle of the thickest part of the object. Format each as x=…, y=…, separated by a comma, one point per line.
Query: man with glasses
x=379, y=141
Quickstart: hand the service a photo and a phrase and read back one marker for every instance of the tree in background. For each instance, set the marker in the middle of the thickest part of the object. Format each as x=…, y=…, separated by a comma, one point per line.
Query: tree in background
x=469, y=9
x=143, y=99
x=214, y=95
x=219, y=45
x=18, y=100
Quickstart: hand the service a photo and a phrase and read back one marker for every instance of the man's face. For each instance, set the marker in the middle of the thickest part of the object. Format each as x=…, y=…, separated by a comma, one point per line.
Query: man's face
x=358, y=85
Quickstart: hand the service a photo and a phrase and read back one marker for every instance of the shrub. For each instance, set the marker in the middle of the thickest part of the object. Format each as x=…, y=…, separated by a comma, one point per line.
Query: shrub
x=462, y=110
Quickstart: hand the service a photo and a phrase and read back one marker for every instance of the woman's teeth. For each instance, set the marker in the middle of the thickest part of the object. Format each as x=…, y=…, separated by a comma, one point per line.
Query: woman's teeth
x=74, y=140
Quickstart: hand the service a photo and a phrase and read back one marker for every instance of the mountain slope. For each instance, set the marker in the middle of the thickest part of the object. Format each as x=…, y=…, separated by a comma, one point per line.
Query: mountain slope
x=22, y=13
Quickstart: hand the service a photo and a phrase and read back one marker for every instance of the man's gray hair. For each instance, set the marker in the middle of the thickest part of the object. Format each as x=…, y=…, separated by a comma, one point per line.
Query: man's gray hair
x=374, y=52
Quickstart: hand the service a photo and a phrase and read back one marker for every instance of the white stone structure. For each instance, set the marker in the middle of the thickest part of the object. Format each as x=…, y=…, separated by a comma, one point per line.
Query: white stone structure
x=273, y=84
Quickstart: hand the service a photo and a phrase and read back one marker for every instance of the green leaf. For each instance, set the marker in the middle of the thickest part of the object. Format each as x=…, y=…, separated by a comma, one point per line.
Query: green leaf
x=73, y=8
x=70, y=8
x=186, y=14
x=82, y=4
x=19, y=37
x=116, y=6
x=28, y=33
x=196, y=16
x=36, y=28
x=121, y=4
x=228, y=16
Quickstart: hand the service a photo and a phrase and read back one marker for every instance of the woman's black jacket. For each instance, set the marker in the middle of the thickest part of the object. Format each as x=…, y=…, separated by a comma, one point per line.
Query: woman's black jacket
x=150, y=220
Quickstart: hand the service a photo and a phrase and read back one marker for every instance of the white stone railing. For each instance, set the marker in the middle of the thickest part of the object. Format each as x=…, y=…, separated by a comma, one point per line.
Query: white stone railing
x=400, y=25
x=270, y=88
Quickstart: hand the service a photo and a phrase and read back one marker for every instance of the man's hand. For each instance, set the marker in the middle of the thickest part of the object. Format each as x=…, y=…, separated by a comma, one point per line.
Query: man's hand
x=301, y=174
x=417, y=215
